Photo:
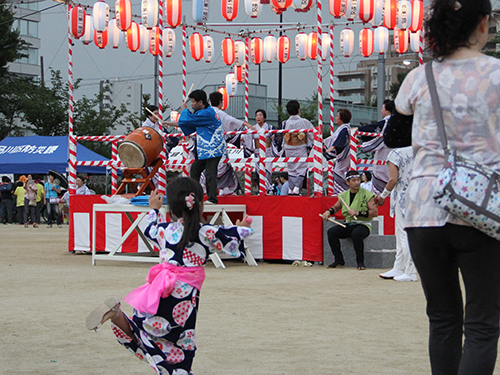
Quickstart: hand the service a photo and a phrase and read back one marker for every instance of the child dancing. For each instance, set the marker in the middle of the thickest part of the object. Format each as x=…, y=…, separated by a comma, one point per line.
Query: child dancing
x=162, y=328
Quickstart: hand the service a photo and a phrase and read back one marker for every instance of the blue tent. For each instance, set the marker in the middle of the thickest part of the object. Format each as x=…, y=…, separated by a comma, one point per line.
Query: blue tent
x=37, y=154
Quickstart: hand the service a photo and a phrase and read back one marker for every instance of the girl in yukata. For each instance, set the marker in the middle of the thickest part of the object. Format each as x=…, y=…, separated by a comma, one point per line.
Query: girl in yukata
x=162, y=328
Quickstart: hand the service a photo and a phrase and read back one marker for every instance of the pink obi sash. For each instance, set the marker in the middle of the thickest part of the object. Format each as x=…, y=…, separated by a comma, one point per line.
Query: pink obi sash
x=159, y=284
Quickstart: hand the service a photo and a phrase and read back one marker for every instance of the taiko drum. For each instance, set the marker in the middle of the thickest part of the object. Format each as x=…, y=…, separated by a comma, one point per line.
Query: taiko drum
x=140, y=148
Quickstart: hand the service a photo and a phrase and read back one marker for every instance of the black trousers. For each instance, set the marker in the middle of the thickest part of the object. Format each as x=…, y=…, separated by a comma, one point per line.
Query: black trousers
x=210, y=168
x=439, y=254
x=358, y=232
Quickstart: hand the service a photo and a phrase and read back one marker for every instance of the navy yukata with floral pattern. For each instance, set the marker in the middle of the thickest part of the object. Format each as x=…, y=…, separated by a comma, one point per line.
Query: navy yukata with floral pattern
x=167, y=339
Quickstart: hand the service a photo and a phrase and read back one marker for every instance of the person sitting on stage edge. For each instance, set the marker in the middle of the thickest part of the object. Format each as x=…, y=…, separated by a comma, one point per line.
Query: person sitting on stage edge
x=359, y=209
x=210, y=143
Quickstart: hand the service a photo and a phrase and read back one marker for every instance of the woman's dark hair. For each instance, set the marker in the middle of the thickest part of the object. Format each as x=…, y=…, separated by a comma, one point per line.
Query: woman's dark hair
x=263, y=113
x=177, y=191
x=451, y=24
x=345, y=115
x=199, y=96
x=368, y=176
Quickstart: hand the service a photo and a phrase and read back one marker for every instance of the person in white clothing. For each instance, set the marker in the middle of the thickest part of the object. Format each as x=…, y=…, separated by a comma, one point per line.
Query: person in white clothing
x=400, y=161
x=297, y=145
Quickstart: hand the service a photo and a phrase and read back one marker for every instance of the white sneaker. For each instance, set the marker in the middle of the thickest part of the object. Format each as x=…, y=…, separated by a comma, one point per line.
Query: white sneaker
x=391, y=274
x=406, y=277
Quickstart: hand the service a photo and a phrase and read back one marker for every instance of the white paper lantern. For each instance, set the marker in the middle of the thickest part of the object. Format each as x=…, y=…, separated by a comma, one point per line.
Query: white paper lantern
x=378, y=13
x=239, y=53
x=269, y=48
x=303, y=5
x=88, y=36
x=404, y=14
x=253, y=8
x=100, y=15
x=149, y=13
x=115, y=35
x=347, y=42
x=381, y=39
x=200, y=11
x=415, y=41
x=325, y=46
x=208, y=48
x=231, y=84
x=145, y=39
x=168, y=42
x=351, y=9
x=301, y=45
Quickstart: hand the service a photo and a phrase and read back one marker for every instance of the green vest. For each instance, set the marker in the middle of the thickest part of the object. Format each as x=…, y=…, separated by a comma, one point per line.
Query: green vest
x=360, y=203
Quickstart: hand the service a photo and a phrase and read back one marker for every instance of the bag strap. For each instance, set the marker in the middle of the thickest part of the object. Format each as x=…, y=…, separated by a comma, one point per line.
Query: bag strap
x=437, y=108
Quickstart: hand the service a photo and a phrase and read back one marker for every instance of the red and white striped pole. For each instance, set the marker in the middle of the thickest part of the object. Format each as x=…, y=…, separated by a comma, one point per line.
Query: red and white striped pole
x=318, y=165
x=247, y=45
x=354, y=160
x=248, y=179
x=332, y=110
x=421, y=47
x=320, y=73
x=331, y=190
x=261, y=165
x=184, y=37
x=71, y=137
x=162, y=173
x=114, y=174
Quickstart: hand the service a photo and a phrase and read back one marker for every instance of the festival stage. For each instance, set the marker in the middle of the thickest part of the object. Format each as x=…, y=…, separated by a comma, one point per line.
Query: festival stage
x=286, y=228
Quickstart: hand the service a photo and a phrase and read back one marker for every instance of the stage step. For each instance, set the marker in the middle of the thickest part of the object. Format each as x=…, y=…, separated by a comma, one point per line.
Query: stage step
x=380, y=250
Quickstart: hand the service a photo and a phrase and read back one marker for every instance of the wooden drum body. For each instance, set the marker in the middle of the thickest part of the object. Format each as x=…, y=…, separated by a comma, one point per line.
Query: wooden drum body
x=140, y=148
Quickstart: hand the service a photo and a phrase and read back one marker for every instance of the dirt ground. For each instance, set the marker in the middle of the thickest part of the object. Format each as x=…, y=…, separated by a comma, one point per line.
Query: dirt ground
x=268, y=320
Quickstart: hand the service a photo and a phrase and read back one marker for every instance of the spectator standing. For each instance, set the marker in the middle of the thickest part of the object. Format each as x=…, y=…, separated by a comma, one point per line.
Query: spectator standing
x=285, y=186
x=19, y=193
x=7, y=191
x=30, y=202
x=51, y=200
x=39, y=200
x=366, y=178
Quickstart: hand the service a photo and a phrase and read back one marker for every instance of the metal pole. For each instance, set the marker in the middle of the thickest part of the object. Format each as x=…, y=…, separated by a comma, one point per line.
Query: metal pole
x=280, y=77
x=157, y=81
x=380, y=81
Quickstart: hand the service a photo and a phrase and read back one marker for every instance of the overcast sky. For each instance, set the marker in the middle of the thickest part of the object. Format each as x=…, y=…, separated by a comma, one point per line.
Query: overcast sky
x=93, y=65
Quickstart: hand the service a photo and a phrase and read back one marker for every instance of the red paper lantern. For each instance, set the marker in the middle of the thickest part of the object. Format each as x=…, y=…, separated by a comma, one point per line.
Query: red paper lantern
x=312, y=45
x=401, y=40
x=257, y=50
x=134, y=37
x=154, y=41
x=239, y=72
x=337, y=7
x=230, y=9
x=77, y=21
x=173, y=12
x=123, y=14
x=391, y=14
x=196, y=46
x=228, y=51
x=283, y=49
x=366, y=10
x=225, y=97
x=366, y=42
x=281, y=5
x=417, y=15
x=101, y=38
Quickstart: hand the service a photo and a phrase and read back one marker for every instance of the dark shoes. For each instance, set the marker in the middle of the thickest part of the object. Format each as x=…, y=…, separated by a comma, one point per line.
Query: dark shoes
x=361, y=266
x=340, y=263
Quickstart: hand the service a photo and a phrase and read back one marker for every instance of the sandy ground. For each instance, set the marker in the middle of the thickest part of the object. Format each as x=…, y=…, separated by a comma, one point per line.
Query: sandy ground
x=271, y=319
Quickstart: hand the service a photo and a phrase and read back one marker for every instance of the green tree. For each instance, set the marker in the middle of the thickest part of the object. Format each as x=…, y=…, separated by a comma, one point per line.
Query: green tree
x=496, y=54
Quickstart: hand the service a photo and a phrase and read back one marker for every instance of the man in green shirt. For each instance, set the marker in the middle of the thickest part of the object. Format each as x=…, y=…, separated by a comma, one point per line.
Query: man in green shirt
x=359, y=208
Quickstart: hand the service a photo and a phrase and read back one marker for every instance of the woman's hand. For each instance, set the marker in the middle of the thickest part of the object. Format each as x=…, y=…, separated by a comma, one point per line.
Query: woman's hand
x=246, y=222
x=155, y=200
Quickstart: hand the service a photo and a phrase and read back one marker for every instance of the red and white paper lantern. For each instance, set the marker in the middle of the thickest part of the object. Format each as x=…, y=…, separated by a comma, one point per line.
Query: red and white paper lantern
x=281, y=5
x=366, y=42
x=115, y=35
x=239, y=72
x=301, y=45
x=173, y=12
x=270, y=48
x=228, y=51
x=168, y=42
x=378, y=13
x=257, y=50
x=225, y=97
x=347, y=42
x=381, y=36
x=149, y=13
x=133, y=37
x=101, y=38
x=200, y=11
x=351, y=9
x=196, y=46
x=303, y=5
x=100, y=15
x=312, y=45
x=401, y=40
x=283, y=49
x=123, y=13
x=77, y=21
x=404, y=14
x=208, y=48
x=365, y=10
x=154, y=41
x=88, y=36
x=230, y=9
x=390, y=14
x=417, y=15
x=145, y=39
x=231, y=84
x=253, y=8
x=239, y=52
x=337, y=8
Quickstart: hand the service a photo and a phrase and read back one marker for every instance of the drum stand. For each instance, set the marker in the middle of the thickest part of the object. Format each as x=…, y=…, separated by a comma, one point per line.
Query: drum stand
x=146, y=180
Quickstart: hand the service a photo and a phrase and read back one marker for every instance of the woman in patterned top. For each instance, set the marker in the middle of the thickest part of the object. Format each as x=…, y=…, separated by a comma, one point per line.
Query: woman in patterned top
x=162, y=329
x=442, y=246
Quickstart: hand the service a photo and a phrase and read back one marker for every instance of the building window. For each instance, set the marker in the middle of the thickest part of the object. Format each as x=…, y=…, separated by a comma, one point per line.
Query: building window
x=28, y=28
x=32, y=57
x=28, y=5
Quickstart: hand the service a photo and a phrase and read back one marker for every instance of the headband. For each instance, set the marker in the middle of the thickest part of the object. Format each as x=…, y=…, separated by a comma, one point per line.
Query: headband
x=351, y=176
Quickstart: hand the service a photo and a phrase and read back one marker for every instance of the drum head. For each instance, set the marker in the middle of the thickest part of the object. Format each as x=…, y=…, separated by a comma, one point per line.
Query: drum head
x=132, y=155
